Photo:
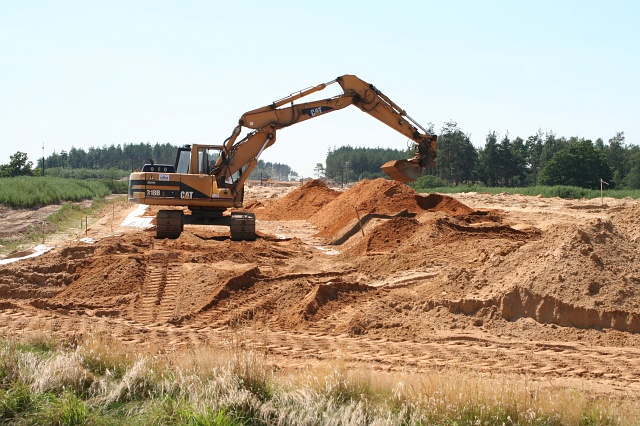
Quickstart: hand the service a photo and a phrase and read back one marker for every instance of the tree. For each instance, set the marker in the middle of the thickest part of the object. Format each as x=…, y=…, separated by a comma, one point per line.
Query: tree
x=617, y=157
x=551, y=146
x=19, y=165
x=534, y=146
x=633, y=177
x=489, y=159
x=505, y=165
x=519, y=156
x=318, y=170
x=364, y=163
x=578, y=165
x=457, y=157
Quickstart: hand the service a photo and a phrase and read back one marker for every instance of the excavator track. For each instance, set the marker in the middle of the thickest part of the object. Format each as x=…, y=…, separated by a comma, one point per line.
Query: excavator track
x=243, y=226
x=169, y=223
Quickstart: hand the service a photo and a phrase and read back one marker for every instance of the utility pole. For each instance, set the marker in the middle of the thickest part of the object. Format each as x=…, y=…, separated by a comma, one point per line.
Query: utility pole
x=42, y=158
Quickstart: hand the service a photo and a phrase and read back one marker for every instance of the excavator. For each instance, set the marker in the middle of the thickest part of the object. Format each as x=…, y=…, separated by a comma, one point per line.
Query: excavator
x=209, y=179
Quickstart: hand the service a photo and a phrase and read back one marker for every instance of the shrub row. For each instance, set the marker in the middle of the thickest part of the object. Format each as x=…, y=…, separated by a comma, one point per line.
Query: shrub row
x=31, y=191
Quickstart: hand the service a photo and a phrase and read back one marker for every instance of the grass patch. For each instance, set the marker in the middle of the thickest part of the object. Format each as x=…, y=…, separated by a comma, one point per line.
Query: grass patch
x=68, y=217
x=16, y=401
x=66, y=409
x=34, y=191
x=37, y=343
x=101, y=382
x=105, y=174
x=567, y=192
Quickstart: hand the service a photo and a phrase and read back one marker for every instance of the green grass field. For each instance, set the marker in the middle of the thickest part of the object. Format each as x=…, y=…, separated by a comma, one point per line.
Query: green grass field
x=32, y=191
x=569, y=192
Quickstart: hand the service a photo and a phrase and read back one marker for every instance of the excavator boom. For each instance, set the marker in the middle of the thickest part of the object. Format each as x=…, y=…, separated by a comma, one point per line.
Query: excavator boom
x=368, y=99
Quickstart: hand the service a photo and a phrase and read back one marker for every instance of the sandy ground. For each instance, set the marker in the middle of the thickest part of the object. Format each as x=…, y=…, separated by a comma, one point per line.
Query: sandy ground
x=376, y=276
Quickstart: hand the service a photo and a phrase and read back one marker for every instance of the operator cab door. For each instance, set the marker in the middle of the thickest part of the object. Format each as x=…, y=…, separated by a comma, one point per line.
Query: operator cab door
x=207, y=160
x=197, y=180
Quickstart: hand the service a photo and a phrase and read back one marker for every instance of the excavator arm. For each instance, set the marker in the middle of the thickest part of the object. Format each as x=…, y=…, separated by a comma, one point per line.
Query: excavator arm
x=265, y=122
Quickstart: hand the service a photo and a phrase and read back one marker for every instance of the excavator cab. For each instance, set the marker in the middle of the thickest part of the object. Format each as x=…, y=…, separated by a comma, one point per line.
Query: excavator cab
x=207, y=157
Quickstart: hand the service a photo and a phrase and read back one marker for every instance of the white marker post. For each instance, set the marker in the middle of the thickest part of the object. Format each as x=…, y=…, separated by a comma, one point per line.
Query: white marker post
x=601, y=191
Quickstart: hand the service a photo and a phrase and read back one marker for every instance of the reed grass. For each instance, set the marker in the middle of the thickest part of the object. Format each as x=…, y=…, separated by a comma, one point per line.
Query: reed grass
x=99, y=381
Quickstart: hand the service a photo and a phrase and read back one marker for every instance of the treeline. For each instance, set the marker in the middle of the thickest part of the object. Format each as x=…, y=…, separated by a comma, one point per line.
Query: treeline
x=348, y=164
x=133, y=156
x=275, y=171
x=122, y=157
x=540, y=159
x=503, y=161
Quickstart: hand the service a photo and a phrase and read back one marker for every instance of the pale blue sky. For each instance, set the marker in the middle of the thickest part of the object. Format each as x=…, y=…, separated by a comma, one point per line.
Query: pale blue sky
x=95, y=73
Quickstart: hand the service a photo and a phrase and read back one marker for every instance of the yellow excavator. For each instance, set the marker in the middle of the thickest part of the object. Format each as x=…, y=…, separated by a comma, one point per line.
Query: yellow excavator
x=209, y=179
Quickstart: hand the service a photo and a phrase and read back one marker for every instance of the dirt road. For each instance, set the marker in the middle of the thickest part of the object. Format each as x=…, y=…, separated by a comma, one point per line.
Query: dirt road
x=500, y=285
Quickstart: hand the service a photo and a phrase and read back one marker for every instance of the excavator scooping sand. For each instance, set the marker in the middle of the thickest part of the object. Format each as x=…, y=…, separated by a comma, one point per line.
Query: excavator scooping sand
x=209, y=179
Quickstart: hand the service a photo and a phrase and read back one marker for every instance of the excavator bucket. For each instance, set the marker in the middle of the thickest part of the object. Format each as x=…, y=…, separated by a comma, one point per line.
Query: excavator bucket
x=402, y=170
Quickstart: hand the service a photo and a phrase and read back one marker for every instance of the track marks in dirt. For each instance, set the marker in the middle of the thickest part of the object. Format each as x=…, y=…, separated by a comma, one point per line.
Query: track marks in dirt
x=616, y=369
x=158, y=296
x=237, y=309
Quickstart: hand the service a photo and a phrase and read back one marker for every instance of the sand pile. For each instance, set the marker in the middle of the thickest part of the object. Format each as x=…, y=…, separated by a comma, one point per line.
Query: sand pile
x=387, y=236
x=379, y=197
x=626, y=222
x=444, y=204
x=299, y=204
x=586, y=264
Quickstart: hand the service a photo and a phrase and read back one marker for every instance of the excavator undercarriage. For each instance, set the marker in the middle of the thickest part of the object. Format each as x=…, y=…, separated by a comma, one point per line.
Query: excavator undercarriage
x=242, y=225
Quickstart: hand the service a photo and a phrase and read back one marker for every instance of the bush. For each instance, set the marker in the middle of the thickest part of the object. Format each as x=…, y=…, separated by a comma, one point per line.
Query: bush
x=110, y=174
x=429, y=181
x=30, y=191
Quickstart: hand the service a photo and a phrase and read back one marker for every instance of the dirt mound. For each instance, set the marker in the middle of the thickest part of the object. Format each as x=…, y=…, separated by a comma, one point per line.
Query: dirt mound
x=299, y=204
x=379, y=197
x=444, y=204
x=387, y=236
x=626, y=222
x=367, y=196
x=44, y=276
x=324, y=300
x=104, y=282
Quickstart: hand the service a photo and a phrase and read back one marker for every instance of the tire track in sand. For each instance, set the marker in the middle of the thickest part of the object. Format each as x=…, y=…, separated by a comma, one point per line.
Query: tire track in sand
x=616, y=369
x=158, y=296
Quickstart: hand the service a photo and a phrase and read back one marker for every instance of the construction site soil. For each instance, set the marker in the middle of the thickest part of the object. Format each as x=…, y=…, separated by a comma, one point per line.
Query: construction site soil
x=376, y=276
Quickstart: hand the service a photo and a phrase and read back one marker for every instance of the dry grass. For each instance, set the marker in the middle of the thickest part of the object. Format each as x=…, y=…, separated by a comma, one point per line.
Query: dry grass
x=99, y=380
